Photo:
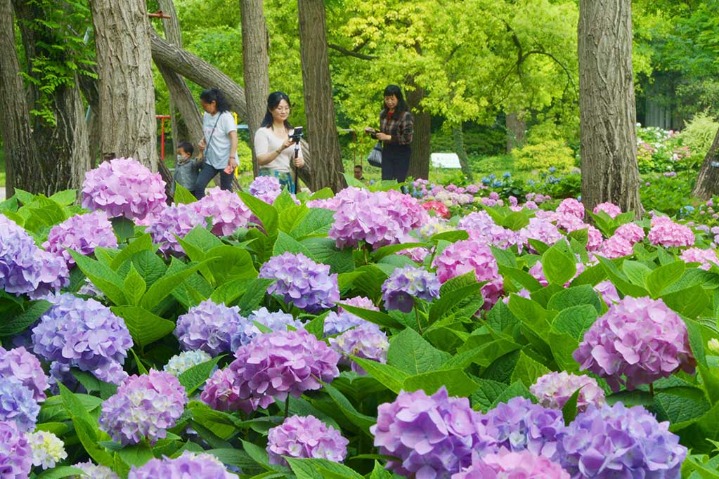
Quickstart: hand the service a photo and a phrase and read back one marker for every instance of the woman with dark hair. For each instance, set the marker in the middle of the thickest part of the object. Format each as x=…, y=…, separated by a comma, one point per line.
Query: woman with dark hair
x=395, y=133
x=274, y=140
x=219, y=143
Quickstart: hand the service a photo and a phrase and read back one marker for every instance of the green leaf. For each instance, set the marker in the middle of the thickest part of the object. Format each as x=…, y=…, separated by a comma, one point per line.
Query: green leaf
x=559, y=264
x=106, y=280
x=145, y=326
x=456, y=381
x=85, y=427
x=124, y=228
x=520, y=277
x=226, y=263
x=163, y=287
x=528, y=370
x=690, y=302
x=136, y=245
x=591, y=275
x=362, y=421
x=569, y=410
x=182, y=195
x=460, y=297
x=574, y=296
x=16, y=322
x=321, y=469
x=619, y=279
x=258, y=454
x=316, y=223
x=254, y=295
x=636, y=272
x=515, y=389
x=290, y=215
x=286, y=243
x=663, y=277
x=197, y=375
x=411, y=353
x=483, y=355
x=389, y=376
x=134, y=286
x=377, y=317
x=451, y=236
x=267, y=214
x=65, y=197
x=575, y=321
x=59, y=472
x=487, y=393
x=379, y=472
x=323, y=250
x=137, y=454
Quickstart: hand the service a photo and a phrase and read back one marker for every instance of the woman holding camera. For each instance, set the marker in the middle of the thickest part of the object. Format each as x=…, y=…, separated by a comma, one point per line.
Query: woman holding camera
x=277, y=144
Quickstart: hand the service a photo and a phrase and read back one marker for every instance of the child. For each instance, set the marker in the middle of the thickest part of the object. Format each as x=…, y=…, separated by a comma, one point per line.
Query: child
x=186, y=167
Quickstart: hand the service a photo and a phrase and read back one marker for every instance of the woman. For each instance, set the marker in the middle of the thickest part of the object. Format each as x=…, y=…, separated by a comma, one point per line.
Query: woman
x=396, y=130
x=273, y=144
x=219, y=144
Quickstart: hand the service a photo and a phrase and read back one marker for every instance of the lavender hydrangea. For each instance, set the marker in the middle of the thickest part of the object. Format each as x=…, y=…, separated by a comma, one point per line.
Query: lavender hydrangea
x=84, y=334
x=665, y=232
x=17, y=405
x=364, y=341
x=554, y=389
x=180, y=363
x=407, y=283
x=270, y=368
x=143, y=407
x=188, y=465
x=301, y=282
x=172, y=222
x=47, y=449
x=25, y=268
x=274, y=321
x=95, y=472
x=616, y=441
x=266, y=188
x=480, y=226
x=124, y=187
x=343, y=320
x=305, y=437
x=519, y=424
x=638, y=341
x=209, y=327
x=15, y=452
x=608, y=291
x=20, y=365
x=227, y=210
x=540, y=229
x=516, y=465
x=431, y=436
x=81, y=233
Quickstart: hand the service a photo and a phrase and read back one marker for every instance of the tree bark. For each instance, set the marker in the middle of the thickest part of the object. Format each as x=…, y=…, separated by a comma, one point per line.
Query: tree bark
x=127, y=92
x=458, y=139
x=421, y=147
x=319, y=105
x=606, y=105
x=516, y=130
x=255, y=67
x=708, y=180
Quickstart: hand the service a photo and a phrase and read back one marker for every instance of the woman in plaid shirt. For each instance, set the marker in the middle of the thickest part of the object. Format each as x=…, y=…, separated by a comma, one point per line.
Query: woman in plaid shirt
x=396, y=129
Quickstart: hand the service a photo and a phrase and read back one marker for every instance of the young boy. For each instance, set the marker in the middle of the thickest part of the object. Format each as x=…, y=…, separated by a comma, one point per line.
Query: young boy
x=186, y=168
x=358, y=173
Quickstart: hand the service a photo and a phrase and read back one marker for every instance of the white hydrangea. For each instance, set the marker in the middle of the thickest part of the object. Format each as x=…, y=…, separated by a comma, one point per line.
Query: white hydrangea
x=180, y=363
x=47, y=449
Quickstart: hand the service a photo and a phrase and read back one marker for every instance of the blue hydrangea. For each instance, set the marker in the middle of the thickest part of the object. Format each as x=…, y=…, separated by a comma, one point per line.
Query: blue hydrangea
x=274, y=321
x=209, y=327
x=18, y=405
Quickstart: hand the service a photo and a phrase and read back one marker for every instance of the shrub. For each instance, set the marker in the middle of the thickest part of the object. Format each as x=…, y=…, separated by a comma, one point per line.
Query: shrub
x=699, y=134
x=544, y=155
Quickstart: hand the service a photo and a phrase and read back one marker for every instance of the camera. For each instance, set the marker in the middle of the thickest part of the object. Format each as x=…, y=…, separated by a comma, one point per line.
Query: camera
x=296, y=135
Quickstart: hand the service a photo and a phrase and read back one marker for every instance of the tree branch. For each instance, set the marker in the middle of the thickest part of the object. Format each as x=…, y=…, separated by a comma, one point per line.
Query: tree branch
x=351, y=53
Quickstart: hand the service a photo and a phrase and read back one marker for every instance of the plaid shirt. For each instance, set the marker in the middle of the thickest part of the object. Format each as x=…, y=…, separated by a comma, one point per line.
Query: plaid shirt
x=399, y=126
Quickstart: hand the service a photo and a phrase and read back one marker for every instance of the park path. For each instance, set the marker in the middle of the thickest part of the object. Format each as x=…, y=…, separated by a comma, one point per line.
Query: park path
x=2, y=193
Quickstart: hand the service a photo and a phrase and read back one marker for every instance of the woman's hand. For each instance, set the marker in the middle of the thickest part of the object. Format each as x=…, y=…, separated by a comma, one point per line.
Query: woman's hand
x=299, y=162
x=383, y=136
x=202, y=145
x=285, y=144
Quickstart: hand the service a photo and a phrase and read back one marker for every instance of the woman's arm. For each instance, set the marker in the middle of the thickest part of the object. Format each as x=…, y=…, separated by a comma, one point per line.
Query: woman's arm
x=262, y=145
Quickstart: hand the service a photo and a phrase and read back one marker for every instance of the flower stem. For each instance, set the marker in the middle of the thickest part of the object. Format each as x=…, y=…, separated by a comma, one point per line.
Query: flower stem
x=416, y=315
x=651, y=389
x=287, y=406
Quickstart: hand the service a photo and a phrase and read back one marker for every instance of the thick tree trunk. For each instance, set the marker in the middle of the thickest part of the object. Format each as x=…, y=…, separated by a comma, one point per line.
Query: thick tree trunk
x=127, y=92
x=255, y=67
x=708, y=180
x=606, y=105
x=458, y=139
x=91, y=92
x=516, y=130
x=317, y=88
x=421, y=147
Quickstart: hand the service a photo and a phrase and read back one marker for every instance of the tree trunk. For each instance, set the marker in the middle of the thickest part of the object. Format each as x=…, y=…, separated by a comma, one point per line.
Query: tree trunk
x=516, y=130
x=127, y=92
x=421, y=147
x=606, y=105
x=317, y=88
x=458, y=139
x=708, y=180
x=255, y=67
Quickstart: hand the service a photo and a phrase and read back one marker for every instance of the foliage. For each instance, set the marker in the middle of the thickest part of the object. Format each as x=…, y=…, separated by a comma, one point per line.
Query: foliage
x=546, y=154
x=667, y=193
x=699, y=133
x=659, y=150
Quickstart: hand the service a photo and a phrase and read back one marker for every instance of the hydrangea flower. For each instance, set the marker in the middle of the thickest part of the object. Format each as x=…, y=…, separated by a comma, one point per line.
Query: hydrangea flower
x=519, y=424
x=482, y=227
x=364, y=341
x=17, y=405
x=638, y=341
x=407, y=283
x=209, y=327
x=84, y=334
x=25, y=268
x=439, y=208
x=21, y=366
x=616, y=247
x=431, y=436
x=172, y=222
x=343, y=320
x=305, y=437
x=707, y=257
x=270, y=368
x=540, y=229
x=47, y=449
x=266, y=188
x=572, y=207
x=179, y=363
x=665, y=232
x=188, y=465
x=15, y=452
x=301, y=282
x=609, y=208
x=616, y=441
x=95, y=472
x=144, y=406
x=631, y=232
x=609, y=292
x=82, y=233
x=554, y=389
x=506, y=464
x=275, y=321
x=123, y=187
x=227, y=210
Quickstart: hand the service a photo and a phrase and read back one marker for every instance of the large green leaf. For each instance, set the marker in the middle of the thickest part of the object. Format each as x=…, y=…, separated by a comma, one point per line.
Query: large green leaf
x=164, y=286
x=323, y=250
x=456, y=381
x=141, y=243
x=390, y=377
x=460, y=297
x=559, y=264
x=487, y=393
x=106, y=280
x=574, y=296
x=86, y=427
x=362, y=421
x=267, y=214
x=411, y=353
x=197, y=375
x=145, y=326
x=290, y=215
x=575, y=320
x=664, y=276
x=286, y=243
x=134, y=286
x=321, y=469
x=528, y=370
x=17, y=320
x=378, y=317
x=316, y=223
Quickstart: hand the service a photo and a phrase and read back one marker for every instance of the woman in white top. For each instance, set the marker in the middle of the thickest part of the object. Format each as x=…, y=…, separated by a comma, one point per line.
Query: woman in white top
x=273, y=144
x=219, y=143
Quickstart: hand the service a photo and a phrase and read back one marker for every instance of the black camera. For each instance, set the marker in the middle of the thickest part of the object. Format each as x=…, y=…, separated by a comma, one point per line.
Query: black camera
x=296, y=135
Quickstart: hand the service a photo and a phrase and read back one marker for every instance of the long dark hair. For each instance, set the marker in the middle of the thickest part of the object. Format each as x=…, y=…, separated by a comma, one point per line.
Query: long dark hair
x=273, y=101
x=394, y=90
x=214, y=94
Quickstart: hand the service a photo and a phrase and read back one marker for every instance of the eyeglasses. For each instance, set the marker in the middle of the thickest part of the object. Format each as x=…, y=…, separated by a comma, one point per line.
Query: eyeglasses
x=282, y=108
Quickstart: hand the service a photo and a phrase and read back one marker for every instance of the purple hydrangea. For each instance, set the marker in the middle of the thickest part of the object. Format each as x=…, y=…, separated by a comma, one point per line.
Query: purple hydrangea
x=227, y=210
x=480, y=226
x=609, y=292
x=609, y=208
x=25, y=268
x=23, y=367
x=84, y=334
x=144, y=406
x=431, y=436
x=364, y=341
x=81, y=233
x=188, y=465
x=275, y=321
x=665, y=232
x=123, y=187
x=15, y=452
x=17, y=404
x=540, y=229
x=305, y=437
x=172, y=222
x=342, y=320
x=616, y=441
x=270, y=368
x=638, y=341
x=209, y=327
x=301, y=282
x=572, y=207
x=266, y=188
x=405, y=284
x=516, y=465
x=554, y=389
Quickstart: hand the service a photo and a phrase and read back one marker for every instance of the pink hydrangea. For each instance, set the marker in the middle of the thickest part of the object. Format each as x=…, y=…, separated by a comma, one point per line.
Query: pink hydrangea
x=539, y=229
x=707, y=257
x=572, y=207
x=616, y=247
x=609, y=292
x=82, y=233
x=554, y=389
x=512, y=465
x=665, y=232
x=305, y=437
x=631, y=232
x=609, y=208
x=479, y=225
x=227, y=210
